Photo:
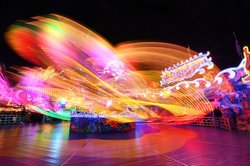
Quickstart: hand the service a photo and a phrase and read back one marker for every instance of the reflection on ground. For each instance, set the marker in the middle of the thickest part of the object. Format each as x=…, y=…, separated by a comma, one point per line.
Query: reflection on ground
x=53, y=144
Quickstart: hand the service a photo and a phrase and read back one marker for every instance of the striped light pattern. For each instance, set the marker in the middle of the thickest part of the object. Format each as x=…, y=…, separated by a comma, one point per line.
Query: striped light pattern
x=74, y=59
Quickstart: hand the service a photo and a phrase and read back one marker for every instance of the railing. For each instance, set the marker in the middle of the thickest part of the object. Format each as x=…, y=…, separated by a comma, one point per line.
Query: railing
x=220, y=122
x=7, y=119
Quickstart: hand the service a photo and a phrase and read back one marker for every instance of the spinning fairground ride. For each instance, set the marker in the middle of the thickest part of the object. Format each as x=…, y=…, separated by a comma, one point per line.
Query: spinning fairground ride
x=79, y=76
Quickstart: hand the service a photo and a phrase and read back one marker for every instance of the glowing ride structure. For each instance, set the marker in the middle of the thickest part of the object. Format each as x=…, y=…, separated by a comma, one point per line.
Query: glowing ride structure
x=187, y=69
x=120, y=83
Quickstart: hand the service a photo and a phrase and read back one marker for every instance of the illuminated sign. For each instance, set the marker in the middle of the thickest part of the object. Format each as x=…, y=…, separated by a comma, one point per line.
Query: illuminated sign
x=186, y=69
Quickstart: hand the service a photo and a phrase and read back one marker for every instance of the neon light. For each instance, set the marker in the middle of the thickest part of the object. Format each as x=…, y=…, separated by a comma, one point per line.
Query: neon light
x=80, y=59
x=246, y=64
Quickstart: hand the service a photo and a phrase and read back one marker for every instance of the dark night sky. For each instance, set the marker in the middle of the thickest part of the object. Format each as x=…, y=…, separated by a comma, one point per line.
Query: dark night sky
x=204, y=25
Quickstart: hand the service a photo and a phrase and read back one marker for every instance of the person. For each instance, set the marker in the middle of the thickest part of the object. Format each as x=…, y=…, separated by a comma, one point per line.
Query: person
x=232, y=118
x=23, y=114
x=14, y=119
x=217, y=112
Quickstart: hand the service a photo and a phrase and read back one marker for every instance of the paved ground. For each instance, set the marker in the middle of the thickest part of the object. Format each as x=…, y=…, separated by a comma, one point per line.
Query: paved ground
x=149, y=144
